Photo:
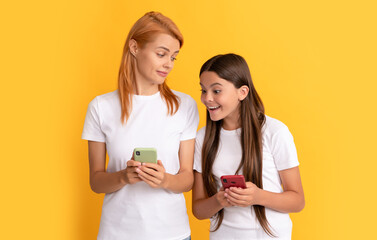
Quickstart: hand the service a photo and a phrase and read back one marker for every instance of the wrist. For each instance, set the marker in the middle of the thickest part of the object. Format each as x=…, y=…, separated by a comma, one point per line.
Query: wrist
x=165, y=181
x=218, y=201
x=261, y=197
x=123, y=177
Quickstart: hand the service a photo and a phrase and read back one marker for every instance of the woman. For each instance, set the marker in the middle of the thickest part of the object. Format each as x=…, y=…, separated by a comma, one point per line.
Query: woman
x=143, y=201
x=240, y=139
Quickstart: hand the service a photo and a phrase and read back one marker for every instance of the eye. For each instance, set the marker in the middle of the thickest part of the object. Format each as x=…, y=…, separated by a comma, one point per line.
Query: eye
x=160, y=55
x=173, y=59
x=203, y=91
x=216, y=91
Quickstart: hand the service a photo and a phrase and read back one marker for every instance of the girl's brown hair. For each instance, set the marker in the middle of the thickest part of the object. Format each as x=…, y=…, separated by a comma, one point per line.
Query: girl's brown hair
x=144, y=31
x=234, y=69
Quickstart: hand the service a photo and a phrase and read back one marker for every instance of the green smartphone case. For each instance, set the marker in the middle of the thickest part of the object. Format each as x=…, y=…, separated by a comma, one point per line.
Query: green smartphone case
x=145, y=155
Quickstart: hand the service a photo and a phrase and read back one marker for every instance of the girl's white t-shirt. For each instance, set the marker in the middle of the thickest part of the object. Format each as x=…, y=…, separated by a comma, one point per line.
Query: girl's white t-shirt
x=279, y=153
x=139, y=211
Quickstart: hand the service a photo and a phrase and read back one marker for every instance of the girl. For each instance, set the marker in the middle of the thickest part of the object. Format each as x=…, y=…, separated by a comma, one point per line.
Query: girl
x=143, y=201
x=240, y=139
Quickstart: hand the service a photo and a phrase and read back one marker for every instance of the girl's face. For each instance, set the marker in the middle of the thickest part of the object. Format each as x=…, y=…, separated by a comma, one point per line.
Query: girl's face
x=221, y=98
x=155, y=60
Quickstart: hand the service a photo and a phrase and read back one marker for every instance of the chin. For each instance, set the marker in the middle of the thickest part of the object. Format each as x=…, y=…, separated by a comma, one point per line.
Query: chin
x=159, y=81
x=215, y=119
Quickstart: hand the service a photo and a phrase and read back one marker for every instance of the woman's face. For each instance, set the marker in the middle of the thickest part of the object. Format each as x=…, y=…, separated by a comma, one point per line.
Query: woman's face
x=221, y=98
x=155, y=60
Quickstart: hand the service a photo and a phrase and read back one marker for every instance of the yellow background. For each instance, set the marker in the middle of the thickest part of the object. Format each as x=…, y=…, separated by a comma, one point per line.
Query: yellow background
x=313, y=63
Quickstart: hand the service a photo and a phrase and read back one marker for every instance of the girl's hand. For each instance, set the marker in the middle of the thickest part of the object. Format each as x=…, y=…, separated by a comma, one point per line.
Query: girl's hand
x=153, y=174
x=243, y=197
x=221, y=199
x=131, y=176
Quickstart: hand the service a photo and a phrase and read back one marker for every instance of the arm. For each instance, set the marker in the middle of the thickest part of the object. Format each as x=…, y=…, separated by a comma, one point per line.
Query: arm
x=102, y=181
x=204, y=207
x=156, y=177
x=290, y=200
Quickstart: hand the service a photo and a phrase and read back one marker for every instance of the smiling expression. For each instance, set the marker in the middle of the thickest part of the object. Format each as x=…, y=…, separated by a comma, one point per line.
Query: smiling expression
x=221, y=98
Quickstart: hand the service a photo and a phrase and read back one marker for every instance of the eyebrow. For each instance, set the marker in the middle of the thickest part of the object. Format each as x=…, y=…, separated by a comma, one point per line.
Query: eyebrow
x=213, y=84
x=167, y=49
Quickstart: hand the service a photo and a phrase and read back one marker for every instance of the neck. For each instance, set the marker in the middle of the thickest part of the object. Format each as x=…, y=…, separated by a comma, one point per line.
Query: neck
x=231, y=124
x=146, y=90
x=143, y=86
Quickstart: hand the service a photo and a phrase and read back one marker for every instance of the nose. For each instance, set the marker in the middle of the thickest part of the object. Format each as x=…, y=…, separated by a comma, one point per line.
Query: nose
x=207, y=97
x=168, y=64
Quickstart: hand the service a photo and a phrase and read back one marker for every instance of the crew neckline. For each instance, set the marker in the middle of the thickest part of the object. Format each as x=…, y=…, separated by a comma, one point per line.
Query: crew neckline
x=146, y=97
x=231, y=132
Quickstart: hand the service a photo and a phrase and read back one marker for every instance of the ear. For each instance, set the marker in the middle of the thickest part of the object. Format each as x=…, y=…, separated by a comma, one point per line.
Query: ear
x=133, y=47
x=243, y=91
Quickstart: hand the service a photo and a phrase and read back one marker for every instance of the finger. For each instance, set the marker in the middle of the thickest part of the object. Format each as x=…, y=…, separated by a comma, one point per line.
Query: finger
x=239, y=191
x=234, y=196
x=153, y=166
x=242, y=202
x=135, y=180
x=231, y=203
x=150, y=171
x=133, y=163
x=234, y=202
x=133, y=175
x=147, y=176
x=149, y=182
x=226, y=203
x=159, y=162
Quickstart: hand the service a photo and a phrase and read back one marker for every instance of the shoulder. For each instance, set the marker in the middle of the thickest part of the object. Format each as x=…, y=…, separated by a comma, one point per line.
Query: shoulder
x=187, y=105
x=108, y=97
x=276, y=133
x=200, y=137
x=184, y=98
x=273, y=126
x=104, y=101
x=200, y=134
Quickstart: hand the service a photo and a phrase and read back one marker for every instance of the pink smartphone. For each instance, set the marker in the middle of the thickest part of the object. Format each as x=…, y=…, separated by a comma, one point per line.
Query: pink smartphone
x=233, y=181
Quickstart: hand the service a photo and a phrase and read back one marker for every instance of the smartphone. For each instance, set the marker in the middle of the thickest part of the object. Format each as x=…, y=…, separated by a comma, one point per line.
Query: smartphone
x=145, y=155
x=233, y=181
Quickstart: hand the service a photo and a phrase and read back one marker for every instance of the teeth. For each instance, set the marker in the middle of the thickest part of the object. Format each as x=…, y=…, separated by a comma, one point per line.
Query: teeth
x=212, y=108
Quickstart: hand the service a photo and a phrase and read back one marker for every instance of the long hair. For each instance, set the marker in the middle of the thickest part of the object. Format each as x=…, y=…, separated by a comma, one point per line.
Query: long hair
x=144, y=31
x=234, y=69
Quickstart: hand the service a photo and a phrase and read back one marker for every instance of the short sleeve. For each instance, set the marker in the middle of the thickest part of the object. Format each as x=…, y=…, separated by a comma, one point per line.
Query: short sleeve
x=283, y=149
x=192, y=121
x=198, y=150
x=92, y=126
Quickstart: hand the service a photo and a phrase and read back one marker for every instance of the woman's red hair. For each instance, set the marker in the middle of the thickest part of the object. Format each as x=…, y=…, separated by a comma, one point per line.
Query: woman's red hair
x=143, y=31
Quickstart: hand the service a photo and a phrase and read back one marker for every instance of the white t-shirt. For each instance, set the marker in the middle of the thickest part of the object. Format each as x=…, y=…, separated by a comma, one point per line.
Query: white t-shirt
x=279, y=153
x=139, y=211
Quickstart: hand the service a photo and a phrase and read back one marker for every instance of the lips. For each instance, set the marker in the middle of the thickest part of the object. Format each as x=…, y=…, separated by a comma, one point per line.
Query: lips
x=162, y=74
x=211, y=109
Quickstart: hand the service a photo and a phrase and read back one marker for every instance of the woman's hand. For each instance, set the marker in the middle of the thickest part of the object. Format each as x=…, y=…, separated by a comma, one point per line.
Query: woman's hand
x=153, y=174
x=243, y=197
x=221, y=199
x=130, y=174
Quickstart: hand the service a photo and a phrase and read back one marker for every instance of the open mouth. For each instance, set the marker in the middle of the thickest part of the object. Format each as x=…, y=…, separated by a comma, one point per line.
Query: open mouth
x=213, y=108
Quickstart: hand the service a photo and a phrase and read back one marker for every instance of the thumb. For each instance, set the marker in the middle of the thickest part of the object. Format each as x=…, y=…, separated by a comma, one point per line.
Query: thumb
x=159, y=162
